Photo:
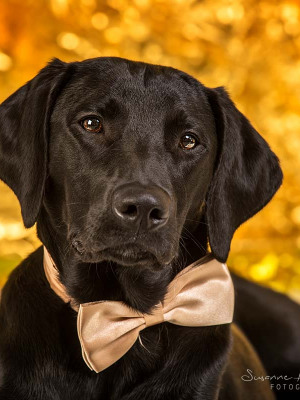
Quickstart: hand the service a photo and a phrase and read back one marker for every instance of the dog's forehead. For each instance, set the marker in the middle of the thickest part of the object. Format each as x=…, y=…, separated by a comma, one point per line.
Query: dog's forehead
x=134, y=83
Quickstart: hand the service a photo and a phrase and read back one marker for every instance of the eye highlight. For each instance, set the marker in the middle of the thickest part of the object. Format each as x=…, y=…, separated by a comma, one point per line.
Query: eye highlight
x=92, y=124
x=188, y=142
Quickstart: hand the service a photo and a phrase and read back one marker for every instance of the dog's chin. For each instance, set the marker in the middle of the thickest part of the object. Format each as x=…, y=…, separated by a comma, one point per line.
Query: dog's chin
x=126, y=256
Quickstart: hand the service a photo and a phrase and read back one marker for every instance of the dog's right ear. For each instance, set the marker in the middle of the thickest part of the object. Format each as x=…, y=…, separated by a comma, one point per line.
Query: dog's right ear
x=24, y=130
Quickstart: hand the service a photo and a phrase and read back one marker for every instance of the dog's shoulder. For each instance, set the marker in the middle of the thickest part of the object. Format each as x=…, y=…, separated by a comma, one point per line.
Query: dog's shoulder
x=25, y=299
x=244, y=371
x=22, y=281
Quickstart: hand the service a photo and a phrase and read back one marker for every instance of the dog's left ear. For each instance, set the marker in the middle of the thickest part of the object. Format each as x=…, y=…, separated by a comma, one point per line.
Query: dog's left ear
x=247, y=173
x=24, y=126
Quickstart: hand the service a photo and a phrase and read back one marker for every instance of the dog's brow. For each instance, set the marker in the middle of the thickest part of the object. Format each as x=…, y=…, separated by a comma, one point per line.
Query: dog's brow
x=111, y=108
x=180, y=119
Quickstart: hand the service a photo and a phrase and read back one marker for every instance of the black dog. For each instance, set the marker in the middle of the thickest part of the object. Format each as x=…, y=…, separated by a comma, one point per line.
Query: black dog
x=128, y=169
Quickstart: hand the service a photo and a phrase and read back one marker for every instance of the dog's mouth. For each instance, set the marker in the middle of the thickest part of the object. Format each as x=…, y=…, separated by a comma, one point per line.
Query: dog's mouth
x=125, y=255
x=131, y=255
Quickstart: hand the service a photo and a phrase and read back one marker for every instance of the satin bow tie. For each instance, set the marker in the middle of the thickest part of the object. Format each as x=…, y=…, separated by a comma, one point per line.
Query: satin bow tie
x=200, y=295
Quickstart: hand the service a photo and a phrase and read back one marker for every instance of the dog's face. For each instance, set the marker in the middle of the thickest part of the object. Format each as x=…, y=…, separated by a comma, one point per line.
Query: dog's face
x=118, y=161
x=131, y=155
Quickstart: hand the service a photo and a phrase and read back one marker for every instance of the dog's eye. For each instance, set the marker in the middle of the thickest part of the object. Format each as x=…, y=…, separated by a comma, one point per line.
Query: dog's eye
x=188, y=142
x=92, y=124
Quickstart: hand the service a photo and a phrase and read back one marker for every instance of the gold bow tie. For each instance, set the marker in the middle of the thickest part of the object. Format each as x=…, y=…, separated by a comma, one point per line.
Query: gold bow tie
x=200, y=295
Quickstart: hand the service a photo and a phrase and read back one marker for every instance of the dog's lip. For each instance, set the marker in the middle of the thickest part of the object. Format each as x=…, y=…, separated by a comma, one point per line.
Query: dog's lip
x=129, y=255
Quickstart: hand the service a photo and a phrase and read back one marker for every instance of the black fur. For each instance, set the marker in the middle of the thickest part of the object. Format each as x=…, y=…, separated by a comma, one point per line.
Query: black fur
x=66, y=179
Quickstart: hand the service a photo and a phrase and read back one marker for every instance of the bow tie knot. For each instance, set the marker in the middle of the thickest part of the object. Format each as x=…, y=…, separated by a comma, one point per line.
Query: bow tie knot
x=156, y=317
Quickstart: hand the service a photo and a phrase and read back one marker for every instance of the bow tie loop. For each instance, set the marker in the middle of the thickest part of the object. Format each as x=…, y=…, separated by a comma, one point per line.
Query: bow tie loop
x=107, y=330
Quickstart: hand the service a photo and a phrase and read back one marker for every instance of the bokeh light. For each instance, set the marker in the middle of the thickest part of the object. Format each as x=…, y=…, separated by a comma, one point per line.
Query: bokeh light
x=252, y=47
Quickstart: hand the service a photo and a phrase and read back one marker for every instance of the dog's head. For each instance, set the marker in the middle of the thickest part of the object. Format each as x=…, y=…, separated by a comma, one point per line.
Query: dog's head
x=122, y=160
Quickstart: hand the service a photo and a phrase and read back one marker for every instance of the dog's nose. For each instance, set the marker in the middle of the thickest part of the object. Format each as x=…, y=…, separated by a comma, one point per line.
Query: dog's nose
x=140, y=206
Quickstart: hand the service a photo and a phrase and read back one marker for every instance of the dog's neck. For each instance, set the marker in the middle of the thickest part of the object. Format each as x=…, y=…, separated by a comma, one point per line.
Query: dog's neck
x=141, y=289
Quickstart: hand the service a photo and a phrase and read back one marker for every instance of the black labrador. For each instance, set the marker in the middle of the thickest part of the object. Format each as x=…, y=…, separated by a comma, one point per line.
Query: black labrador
x=129, y=169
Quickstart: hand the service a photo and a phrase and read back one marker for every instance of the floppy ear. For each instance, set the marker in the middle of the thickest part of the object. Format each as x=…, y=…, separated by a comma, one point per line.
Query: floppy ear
x=247, y=173
x=24, y=126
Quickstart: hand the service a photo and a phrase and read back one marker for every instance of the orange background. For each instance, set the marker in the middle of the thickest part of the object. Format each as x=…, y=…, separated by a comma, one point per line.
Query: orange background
x=251, y=47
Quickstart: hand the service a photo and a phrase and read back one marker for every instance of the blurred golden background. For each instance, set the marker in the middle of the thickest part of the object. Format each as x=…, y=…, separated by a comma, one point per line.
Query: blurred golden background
x=251, y=47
